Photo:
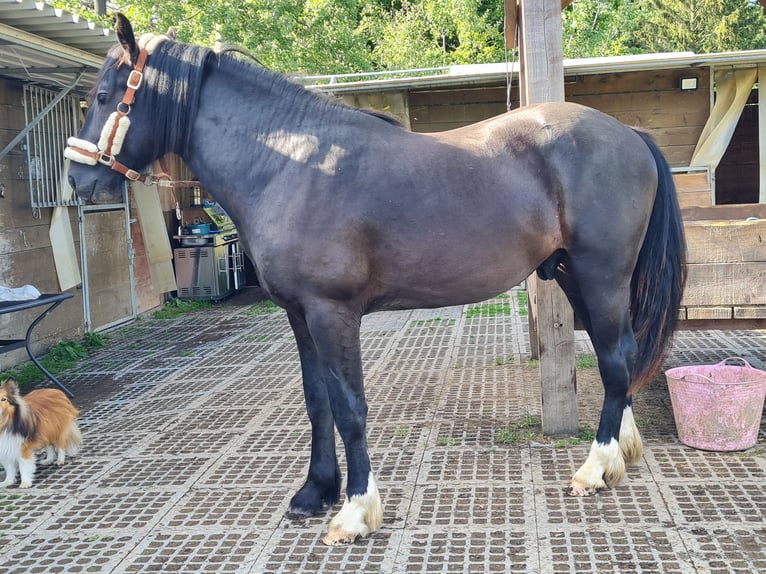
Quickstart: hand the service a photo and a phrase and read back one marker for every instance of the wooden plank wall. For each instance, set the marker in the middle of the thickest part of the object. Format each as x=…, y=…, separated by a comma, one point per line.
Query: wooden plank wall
x=726, y=270
x=693, y=189
x=650, y=100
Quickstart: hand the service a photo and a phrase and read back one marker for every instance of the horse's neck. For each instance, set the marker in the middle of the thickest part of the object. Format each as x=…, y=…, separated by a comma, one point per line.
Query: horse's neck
x=245, y=130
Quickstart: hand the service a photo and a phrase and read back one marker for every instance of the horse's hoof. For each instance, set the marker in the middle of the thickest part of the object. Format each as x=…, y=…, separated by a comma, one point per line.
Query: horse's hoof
x=579, y=489
x=360, y=515
x=337, y=537
x=298, y=513
x=312, y=500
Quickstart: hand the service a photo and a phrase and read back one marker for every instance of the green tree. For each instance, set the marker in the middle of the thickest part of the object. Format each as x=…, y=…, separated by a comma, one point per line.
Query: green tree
x=306, y=36
x=595, y=28
x=701, y=26
x=428, y=33
x=337, y=36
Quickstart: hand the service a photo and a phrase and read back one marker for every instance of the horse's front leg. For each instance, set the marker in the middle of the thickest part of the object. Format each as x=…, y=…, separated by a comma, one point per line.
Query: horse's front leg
x=335, y=332
x=322, y=487
x=618, y=441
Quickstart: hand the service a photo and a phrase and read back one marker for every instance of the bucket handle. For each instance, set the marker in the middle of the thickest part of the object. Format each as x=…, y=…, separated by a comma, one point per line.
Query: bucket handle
x=703, y=377
x=726, y=361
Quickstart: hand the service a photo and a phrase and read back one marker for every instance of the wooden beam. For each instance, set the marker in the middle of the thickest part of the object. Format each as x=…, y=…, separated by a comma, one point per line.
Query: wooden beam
x=551, y=317
x=511, y=20
x=511, y=23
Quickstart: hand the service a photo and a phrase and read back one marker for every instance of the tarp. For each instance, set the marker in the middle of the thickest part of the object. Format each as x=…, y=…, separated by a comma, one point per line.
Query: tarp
x=733, y=88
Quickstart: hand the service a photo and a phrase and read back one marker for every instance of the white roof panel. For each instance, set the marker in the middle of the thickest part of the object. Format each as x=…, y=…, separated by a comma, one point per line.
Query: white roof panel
x=48, y=46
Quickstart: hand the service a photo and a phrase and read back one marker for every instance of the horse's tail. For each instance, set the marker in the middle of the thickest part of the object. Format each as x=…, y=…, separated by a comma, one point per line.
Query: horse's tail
x=659, y=277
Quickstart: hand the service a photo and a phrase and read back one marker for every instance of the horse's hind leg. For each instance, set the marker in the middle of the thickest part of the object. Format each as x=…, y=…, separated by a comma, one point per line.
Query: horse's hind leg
x=617, y=442
x=322, y=487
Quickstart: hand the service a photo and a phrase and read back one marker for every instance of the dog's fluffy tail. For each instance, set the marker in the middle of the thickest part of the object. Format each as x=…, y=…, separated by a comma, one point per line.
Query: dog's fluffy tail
x=74, y=440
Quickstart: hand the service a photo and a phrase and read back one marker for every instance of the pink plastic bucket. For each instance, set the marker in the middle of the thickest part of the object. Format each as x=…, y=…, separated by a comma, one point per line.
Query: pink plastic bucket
x=717, y=407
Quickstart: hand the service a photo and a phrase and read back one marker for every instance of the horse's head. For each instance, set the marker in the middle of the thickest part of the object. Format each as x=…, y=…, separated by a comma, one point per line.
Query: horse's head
x=117, y=138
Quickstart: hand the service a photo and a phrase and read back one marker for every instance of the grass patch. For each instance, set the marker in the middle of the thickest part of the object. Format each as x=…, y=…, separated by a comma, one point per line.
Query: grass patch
x=533, y=363
x=63, y=356
x=264, y=307
x=489, y=310
x=584, y=436
x=500, y=361
x=586, y=362
x=176, y=307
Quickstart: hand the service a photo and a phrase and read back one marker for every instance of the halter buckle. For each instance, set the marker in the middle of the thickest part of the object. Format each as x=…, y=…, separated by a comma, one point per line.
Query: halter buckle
x=105, y=159
x=133, y=175
x=134, y=79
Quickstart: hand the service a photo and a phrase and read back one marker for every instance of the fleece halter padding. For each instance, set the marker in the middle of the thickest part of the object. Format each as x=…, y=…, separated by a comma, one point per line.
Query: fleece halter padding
x=116, y=127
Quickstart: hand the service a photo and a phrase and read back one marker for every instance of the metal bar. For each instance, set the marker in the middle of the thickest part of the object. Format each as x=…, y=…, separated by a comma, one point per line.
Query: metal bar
x=27, y=344
x=52, y=299
x=84, y=264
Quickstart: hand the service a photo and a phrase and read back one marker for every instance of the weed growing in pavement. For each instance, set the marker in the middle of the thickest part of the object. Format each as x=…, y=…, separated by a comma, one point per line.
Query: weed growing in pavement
x=435, y=322
x=264, y=307
x=528, y=429
x=444, y=441
x=176, y=307
x=489, y=310
x=586, y=362
x=523, y=299
x=63, y=356
x=584, y=436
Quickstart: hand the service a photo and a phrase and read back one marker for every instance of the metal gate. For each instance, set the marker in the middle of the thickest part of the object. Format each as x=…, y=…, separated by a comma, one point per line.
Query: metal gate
x=57, y=117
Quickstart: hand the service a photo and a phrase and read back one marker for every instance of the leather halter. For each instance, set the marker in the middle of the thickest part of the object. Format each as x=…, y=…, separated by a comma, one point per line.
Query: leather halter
x=86, y=152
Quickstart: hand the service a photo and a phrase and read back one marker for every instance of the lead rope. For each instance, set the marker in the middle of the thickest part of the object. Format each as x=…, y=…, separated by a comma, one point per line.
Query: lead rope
x=509, y=69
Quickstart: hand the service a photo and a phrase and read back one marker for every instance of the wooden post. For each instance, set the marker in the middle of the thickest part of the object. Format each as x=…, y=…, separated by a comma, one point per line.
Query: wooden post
x=762, y=131
x=551, y=317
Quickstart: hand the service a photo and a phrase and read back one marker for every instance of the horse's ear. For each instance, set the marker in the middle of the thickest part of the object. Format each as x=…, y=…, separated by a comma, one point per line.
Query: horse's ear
x=171, y=33
x=125, y=35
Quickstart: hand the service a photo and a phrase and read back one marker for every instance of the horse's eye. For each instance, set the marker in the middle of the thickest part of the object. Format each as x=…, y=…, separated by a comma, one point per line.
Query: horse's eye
x=101, y=97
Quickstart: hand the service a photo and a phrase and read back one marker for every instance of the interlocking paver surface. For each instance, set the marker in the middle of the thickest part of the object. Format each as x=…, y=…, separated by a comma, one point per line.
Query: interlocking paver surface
x=195, y=437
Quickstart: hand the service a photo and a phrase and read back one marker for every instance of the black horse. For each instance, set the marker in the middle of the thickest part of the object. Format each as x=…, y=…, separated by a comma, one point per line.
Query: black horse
x=344, y=213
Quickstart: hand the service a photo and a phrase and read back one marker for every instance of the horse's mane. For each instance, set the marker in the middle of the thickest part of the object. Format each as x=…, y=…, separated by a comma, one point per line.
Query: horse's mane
x=242, y=67
x=176, y=71
x=383, y=116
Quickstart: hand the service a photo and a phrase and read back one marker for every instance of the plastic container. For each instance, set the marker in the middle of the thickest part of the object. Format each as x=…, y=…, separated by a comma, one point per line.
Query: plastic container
x=199, y=229
x=717, y=407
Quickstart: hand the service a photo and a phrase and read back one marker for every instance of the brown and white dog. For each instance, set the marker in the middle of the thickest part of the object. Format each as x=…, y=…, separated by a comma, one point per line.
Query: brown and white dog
x=42, y=419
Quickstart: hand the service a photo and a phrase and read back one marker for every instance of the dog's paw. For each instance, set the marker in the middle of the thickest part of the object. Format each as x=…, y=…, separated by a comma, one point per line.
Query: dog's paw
x=25, y=485
x=6, y=484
